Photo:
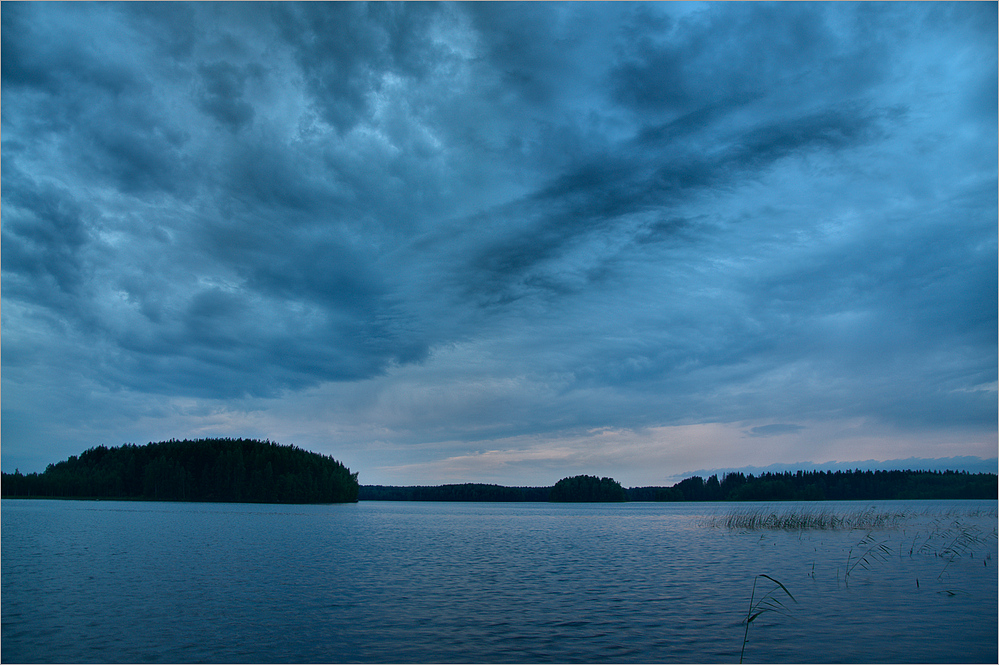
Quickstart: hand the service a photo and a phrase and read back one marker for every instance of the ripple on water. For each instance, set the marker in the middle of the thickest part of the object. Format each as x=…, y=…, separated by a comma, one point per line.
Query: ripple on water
x=433, y=582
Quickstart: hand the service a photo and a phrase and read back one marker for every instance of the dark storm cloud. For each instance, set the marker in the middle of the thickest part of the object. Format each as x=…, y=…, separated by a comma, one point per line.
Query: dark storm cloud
x=561, y=216
x=599, y=196
x=43, y=233
x=344, y=50
x=36, y=56
x=222, y=96
x=790, y=56
x=737, y=64
x=257, y=212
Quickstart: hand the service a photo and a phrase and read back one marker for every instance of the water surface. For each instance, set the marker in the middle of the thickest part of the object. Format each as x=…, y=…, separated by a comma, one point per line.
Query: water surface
x=486, y=582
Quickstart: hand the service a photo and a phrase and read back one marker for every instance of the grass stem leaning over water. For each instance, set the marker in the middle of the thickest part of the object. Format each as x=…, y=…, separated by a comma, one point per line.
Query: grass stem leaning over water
x=768, y=603
x=875, y=552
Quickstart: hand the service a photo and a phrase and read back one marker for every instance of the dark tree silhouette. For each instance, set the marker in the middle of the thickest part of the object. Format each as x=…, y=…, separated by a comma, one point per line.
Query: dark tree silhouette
x=202, y=470
x=587, y=489
x=799, y=486
x=461, y=492
x=827, y=486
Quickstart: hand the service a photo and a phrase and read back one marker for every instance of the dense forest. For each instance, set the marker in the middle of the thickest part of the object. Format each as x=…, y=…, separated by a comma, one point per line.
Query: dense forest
x=827, y=486
x=203, y=470
x=460, y=492
x=800, y=486
x=580, y=489
x=577, y=488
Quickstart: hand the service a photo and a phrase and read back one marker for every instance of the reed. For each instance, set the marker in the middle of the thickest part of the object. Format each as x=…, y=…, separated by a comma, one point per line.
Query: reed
x=770, y=602
x=950, y=538
x=953, y=538
x=873, y=552
x=798, y=519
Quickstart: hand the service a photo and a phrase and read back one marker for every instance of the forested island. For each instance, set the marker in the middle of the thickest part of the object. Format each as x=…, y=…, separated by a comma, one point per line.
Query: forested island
x=230, y=470
x=800, y=486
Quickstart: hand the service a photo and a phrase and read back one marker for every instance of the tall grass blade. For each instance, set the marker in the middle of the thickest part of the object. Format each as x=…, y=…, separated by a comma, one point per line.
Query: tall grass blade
x=768, y=603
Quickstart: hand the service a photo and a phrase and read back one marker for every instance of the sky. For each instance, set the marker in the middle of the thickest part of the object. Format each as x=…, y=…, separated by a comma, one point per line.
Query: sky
x=502, y=243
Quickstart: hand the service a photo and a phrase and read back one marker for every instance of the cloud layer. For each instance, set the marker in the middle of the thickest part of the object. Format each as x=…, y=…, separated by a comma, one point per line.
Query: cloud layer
x=407, y=234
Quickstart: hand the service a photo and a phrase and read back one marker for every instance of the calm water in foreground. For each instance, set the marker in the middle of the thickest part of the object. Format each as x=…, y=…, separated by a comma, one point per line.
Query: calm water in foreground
x=443, y=582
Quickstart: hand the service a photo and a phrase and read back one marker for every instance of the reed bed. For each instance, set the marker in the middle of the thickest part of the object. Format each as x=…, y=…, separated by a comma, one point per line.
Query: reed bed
x=798, y=519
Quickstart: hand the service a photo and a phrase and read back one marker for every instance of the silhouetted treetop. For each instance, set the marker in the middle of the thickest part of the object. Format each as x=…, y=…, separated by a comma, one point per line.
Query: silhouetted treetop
x=826, y=486
x=587, y=489
x=202, y=470
x=457, y=492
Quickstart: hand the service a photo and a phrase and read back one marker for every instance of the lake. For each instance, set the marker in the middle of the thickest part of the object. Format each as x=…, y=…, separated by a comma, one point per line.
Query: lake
x=108, y=581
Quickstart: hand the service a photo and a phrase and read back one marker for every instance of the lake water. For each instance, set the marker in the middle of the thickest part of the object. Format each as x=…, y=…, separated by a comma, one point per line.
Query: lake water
x=488, y=582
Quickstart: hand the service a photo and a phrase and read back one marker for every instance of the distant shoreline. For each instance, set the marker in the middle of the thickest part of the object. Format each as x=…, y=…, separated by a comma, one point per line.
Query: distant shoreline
x=736, y=487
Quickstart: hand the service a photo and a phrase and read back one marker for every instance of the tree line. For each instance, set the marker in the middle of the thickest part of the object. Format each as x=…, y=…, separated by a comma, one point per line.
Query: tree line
x=261, y=471
x=458, y=492
x=574, y=489
x=233, y=470
x=827, y=486
x=789, y=486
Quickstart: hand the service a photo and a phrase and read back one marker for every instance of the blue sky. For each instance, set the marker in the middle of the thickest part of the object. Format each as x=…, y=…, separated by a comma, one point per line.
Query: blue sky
x=502, y=243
